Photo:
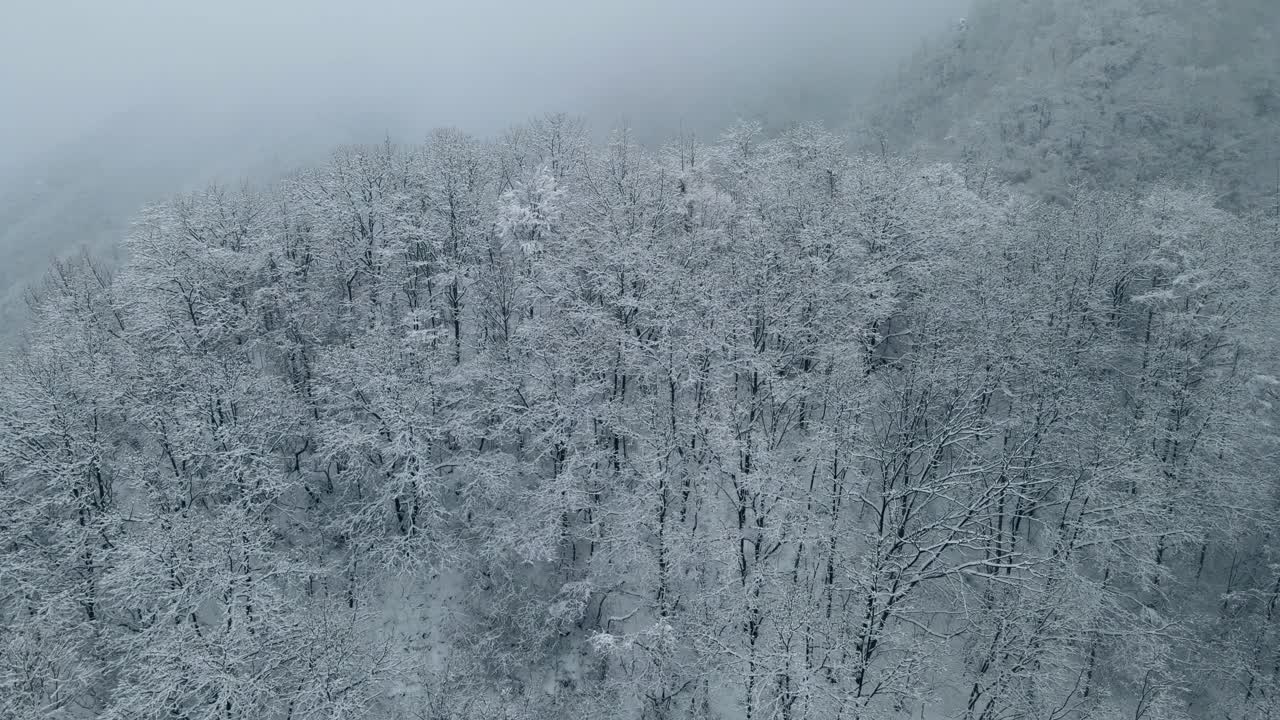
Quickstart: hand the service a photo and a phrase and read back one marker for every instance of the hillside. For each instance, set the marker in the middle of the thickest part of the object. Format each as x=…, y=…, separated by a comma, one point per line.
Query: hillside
x=973, y=416
x=1115, y=92
x=538, y=427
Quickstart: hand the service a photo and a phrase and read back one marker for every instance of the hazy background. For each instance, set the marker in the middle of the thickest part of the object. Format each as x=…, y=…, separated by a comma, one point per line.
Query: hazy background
x=70, y=64
x=107, y=105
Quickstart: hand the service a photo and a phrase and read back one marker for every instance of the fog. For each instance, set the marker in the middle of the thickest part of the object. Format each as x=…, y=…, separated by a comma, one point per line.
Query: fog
x=110, y=105
x=69, y=66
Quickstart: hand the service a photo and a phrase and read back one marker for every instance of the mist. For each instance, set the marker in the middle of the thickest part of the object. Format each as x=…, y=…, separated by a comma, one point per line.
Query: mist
x=110, y=106
x=73, y=66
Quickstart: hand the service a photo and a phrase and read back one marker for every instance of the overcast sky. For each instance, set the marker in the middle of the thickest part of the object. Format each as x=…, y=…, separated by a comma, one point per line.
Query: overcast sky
x=67, y=65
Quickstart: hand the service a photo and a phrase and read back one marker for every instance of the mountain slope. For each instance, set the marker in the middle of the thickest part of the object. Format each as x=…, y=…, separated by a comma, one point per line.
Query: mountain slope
x=1115, y=91
x=542, y=428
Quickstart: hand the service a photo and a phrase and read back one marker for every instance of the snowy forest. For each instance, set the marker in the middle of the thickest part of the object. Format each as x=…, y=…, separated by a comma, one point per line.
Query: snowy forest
x=975, y=420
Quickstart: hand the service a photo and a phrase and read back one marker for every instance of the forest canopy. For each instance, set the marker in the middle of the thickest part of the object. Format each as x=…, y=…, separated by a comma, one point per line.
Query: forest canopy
x=967, y=410
x=541, y=427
